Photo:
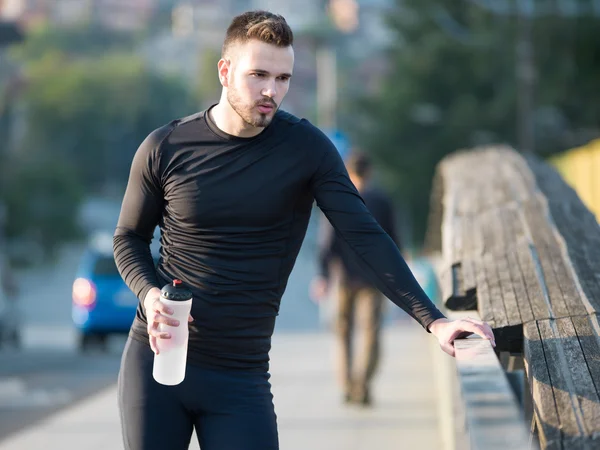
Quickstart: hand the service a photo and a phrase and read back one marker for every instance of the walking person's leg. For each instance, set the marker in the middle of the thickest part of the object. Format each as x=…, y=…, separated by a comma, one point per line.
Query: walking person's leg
x=343, y=344
x=152, y=415
x=367, y=359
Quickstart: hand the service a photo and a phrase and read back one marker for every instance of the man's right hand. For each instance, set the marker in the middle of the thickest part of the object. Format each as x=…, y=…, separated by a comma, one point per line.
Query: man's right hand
x=157, y=312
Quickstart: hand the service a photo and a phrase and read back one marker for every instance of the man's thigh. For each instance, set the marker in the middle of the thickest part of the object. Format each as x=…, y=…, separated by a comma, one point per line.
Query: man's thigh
x=238, y=413
x=238, y=431
x=152, y=415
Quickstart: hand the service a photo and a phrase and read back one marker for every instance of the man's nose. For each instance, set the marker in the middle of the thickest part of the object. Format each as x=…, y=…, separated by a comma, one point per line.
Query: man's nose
x=269, y=90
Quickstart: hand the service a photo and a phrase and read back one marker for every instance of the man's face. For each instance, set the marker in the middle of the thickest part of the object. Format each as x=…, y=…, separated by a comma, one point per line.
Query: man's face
x=258, y=80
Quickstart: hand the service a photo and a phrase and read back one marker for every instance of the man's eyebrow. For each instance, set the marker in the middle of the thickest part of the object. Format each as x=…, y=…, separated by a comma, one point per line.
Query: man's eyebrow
x=265, y=72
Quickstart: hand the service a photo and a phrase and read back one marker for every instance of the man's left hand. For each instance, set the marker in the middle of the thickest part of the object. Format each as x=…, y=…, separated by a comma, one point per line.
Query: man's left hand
x=446, y=331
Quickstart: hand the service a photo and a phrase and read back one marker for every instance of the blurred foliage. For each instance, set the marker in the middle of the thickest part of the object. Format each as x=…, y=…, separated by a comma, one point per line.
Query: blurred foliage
x=452, y=84
x=94, y=113
x=85, y=40
x=208, y=87
x=88, y=102
x=42, y=203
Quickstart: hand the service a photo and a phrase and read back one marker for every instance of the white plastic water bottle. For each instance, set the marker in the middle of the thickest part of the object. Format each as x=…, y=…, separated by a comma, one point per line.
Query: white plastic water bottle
x=169, y=364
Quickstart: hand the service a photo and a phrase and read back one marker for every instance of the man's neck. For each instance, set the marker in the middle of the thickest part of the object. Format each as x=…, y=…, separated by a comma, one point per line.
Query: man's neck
x=230, y=122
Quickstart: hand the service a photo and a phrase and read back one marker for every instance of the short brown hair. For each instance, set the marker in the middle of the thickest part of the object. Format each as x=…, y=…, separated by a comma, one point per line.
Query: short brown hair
x=261, y=25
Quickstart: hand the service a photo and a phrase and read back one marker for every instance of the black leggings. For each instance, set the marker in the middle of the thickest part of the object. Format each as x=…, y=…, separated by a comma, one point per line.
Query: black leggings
x=230, y=410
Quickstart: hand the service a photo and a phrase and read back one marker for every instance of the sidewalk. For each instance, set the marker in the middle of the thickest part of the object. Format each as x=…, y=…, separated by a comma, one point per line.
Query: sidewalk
x=307, y=402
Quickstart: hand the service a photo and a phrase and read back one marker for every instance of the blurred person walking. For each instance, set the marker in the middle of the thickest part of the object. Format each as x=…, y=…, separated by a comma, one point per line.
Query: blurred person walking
x=357, y=301
x=232, y=189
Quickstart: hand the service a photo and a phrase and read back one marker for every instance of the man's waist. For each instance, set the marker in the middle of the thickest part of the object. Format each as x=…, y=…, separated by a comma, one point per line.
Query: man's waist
x=227, y=350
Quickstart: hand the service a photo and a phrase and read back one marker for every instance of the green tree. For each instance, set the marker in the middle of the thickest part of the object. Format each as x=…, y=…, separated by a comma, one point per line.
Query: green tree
x=42, y=202
x=94, y=113
x=208, y=87
x=85, y=40
x=89, y=102
x=451, y=84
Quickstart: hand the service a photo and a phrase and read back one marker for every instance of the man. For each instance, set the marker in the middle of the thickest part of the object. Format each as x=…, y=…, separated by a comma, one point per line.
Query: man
x=231, y=189
x=356, y=295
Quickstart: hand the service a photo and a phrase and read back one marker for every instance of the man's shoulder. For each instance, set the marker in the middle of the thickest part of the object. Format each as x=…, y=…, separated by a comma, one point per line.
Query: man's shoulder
x=158, y=136
x=302, y=130
x=301, y=125
x=286, y=118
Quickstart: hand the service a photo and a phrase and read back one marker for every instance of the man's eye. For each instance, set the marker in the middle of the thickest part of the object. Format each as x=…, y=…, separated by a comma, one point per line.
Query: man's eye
x=260, y=75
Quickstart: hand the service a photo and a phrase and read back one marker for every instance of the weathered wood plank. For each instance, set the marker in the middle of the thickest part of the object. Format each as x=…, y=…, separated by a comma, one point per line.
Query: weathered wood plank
x=571, y=423
x=575, y=224
x=528, y=263
x=545, y=408
x=496, y=313
x=483, y=294
x=573, y=390
x=581, y=385
x=540, y=234
x=588, y=331
x=491, y=409
x=530, y=248
x=518, y=284
x=565, y=280
x=513, y=314
x=580, y=243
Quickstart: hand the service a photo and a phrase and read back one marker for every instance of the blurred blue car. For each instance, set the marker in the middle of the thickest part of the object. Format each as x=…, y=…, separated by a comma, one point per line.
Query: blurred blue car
x=102, y=302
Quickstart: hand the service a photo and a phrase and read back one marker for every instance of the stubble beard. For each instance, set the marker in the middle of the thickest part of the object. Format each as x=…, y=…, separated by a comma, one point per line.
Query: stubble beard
x=246, y=112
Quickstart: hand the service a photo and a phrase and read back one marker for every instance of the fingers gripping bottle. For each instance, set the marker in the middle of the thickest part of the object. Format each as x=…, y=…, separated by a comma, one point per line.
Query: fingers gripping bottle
x=169, y=364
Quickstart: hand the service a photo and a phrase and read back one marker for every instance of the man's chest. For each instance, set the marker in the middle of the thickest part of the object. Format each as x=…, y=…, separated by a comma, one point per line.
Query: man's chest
x=256, y=188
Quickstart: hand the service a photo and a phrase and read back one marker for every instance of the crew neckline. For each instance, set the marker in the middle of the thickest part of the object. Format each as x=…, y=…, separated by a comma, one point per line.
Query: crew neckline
x=230, y=137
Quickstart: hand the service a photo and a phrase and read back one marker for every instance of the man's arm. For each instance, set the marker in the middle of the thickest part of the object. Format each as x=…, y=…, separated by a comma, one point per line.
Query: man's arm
x=374, y=249
x=377, y=254
x=140, y=213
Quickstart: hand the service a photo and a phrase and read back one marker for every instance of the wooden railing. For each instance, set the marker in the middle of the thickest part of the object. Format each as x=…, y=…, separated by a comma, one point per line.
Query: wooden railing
x=519, y=248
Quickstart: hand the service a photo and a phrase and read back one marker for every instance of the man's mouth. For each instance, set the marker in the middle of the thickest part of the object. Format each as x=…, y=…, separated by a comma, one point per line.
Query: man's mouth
x=265, y=108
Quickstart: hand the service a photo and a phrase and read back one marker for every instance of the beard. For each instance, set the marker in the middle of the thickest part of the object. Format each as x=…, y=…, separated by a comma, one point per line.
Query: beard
x=248, y=113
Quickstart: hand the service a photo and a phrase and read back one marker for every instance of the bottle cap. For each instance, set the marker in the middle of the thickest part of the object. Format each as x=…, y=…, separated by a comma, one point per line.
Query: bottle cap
x=176, y=291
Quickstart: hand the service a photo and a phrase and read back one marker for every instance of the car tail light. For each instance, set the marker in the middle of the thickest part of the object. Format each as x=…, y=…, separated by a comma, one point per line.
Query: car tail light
x=84, y=293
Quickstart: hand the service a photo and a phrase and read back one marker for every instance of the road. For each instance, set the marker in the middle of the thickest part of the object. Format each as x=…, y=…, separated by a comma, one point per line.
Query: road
x=48, y=373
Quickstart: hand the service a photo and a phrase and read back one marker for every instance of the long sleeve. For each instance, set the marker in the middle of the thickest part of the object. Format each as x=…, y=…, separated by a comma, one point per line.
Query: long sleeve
x=141, y=211
x=376, y=252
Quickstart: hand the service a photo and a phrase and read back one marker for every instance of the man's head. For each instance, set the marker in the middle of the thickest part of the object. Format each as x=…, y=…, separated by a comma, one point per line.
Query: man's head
x=256, y=65
x=359, y=168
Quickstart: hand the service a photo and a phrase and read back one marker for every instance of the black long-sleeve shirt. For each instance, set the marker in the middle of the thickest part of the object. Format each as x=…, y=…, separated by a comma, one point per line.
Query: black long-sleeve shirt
x=233, y=213
x=332, y=247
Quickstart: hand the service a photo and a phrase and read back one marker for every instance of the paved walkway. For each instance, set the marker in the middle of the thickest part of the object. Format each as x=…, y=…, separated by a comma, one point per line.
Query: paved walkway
x=307, y=402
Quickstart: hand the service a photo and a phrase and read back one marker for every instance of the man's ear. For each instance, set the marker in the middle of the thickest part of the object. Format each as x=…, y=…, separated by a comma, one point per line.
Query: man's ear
x=223, y=69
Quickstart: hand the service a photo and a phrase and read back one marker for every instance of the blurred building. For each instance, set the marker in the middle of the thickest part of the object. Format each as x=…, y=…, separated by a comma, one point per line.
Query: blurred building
x=128, y=15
